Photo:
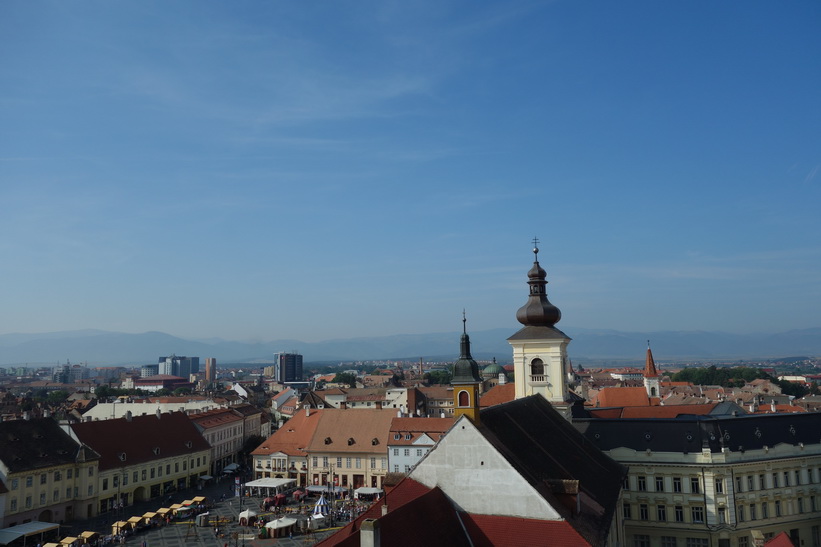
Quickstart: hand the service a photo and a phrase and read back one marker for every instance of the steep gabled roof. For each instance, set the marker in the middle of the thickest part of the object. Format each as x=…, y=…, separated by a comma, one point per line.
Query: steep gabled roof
x=141, y=439
x=416, y=427
x=352, y=431
x=27, y=445
x=418, y=515
x=292, y=437
x=546, y=450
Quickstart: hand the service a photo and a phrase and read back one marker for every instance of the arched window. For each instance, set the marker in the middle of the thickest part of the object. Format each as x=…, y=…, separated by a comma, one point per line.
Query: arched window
x=464, y=398
x=537, y=367
x=652, y=392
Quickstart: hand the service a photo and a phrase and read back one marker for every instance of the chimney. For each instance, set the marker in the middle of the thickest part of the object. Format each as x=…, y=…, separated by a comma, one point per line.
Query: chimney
x=307, y=410
x=502, y=379
x=369, y=533
x=772, y=405
x=128, y=416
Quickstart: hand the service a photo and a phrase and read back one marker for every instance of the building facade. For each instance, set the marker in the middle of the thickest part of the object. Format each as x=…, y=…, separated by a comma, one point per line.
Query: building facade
x=287, y=367
x=144, y=457
x=714, y=481
x=49, y=476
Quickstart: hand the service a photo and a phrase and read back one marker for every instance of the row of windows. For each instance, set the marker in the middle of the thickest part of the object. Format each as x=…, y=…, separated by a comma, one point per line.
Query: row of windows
x=696, y=513
x=764, y=481
x=752, y=482
x=154, y=472
x=27, y=504
x=779, y=509
x=58, y=476
x=694, y=482
x=348, y=461
x=407, y=452
x=642, y=540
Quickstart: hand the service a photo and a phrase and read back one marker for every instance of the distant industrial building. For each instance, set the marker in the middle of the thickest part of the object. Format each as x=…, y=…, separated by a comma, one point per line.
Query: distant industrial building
x=287, y=367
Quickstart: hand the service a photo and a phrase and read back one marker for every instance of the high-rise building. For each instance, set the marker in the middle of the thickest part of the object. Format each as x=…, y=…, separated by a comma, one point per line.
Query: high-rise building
x=287, y=367
x=210, y=369
x=180, y=366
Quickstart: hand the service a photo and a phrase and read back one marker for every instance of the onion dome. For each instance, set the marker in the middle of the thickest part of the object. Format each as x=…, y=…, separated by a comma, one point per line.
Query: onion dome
x=538, y=311
x=466, y=370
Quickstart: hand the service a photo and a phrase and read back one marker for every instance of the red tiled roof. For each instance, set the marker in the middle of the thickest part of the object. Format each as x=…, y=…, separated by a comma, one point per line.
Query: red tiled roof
x=293, y=437
x=171, y=433
x=781, y=540
x=432, y=427
x=493, y=530
x=501, y=393
x=623, y=396
x=362, y=426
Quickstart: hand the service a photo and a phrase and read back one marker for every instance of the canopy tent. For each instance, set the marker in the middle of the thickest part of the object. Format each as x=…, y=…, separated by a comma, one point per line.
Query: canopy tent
x=89, y=536
x=230, y=468
x=269, y=486
x=199, y=499
x=367, y=491
x=25, y=530
x=321, y=507
x=163, y=511
x=246, y=517
x=280, y=527
x=120, y=526
x=69, y=541
x=317, y=489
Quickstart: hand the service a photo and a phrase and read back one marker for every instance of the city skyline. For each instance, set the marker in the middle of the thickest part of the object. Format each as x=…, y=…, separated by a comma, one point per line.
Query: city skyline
x=284, y=171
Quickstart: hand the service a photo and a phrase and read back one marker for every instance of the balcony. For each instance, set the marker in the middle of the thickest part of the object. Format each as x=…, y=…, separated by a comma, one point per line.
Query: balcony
x=538, y=380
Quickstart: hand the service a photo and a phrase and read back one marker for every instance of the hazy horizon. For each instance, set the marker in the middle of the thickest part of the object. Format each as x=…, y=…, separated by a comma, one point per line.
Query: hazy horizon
x=274, y=170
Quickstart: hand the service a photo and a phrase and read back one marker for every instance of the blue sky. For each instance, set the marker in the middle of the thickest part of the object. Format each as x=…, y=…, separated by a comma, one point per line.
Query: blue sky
x=260, y=170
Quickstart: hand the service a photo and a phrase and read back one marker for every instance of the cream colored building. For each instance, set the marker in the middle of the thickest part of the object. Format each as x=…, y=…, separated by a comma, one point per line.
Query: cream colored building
x=350, y=448
x=49, y=476
x=715, y=480
x=144, y=457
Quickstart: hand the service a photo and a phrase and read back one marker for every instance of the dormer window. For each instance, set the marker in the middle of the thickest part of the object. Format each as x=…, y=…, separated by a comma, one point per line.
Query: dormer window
x=408, y=436
x=327, y=440
x=375, y=441
x=156, y=450
x=188, y=444
x=351, y=441
x=121, y=456
x=396, y=436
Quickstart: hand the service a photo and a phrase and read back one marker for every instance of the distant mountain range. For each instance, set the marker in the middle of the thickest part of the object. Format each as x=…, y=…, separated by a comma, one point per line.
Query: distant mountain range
x=102, y=348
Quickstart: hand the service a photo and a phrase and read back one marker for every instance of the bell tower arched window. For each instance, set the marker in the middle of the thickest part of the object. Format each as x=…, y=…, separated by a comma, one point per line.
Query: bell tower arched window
x=537, y=367
x=464, y=398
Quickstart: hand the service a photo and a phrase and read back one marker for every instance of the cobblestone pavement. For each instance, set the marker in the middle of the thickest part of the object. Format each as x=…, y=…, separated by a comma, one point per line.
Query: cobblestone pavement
x=184, y=533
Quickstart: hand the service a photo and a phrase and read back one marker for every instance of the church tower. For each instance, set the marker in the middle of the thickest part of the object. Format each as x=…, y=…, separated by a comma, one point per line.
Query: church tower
x=540, y=361
x=651, y=376
x=466, y=380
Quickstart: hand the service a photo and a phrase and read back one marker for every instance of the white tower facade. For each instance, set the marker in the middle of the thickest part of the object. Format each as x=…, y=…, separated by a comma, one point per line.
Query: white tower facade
x=540, y=360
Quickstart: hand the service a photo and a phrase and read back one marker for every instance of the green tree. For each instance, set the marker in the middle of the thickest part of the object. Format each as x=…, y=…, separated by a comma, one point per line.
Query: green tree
x=438, y=377
x=57, y=397
x=348, y=378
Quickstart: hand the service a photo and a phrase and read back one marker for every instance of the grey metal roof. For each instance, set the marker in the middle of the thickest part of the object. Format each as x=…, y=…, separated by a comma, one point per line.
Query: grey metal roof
x=539, y=333
x=693, y=433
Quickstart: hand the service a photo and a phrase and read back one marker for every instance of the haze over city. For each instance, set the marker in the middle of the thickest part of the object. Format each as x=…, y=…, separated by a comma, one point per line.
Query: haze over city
x=275, y=170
